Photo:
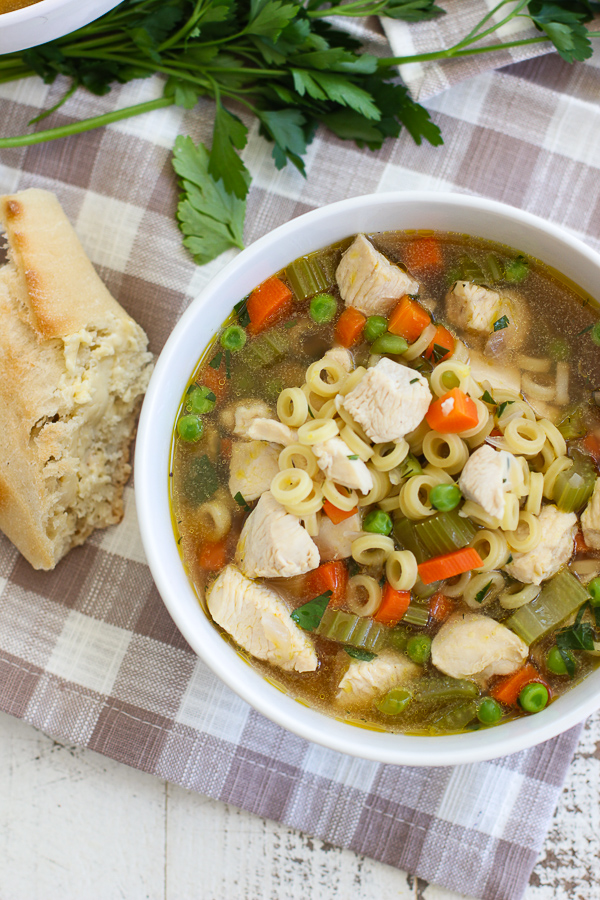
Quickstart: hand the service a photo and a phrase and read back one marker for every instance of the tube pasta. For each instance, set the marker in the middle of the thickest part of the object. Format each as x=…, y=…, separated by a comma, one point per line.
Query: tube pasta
x=401, y=570
x=545, y=392
x=510, y=519
x=292, y=407
x=308, y=506
x=559, y=465
x=411, y=504
x=421, y=344
x=480, y=436
x=327, y=411
x=388, y=456
x=372, y=549
x=214, y=519
x=524, y=437
x=526, y=535
x=351, y=381
x=553, y=437
x=441, y=476
x=316, y=431
x=380, y=489
x=461, y=352
x=536, y=492
x=454, y=457
x=415, y=438
x=475, y=390
x=518, y=595
x=299, y=456
x=356, y=444
x=533, y=363
x=311, y=523
x=524, y=477
x=344, y=499
x=489, y=584
x=493, y=549
x=291, y=486
x=364, y=595
x=562, y=383
x=456, y=589
x=516, y=409
x=476, y=512
x=334, y=373
x=389, y=504
x=314, y=401
x=347, y=418
x=483, y=414
x=439, y=377
x=501, y=395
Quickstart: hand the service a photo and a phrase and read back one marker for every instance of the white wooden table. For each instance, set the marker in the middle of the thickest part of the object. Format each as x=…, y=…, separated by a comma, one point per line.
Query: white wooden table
x=74, y=824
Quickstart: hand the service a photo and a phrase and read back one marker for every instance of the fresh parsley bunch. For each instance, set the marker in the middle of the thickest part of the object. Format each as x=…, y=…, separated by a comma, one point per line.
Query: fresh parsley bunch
x=283, y=62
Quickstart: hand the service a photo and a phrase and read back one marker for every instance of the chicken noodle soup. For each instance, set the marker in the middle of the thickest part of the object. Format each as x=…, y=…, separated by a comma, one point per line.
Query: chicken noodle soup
x=385, y=481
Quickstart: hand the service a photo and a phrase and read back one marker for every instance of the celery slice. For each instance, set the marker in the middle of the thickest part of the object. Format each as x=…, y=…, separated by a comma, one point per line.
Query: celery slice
x=265, y=350
x=406, y=535
x=346, y=628
x=416, y=615
x=311, y=274
x=445, y=532
x=438, y=690
x=457, y=717
x=558, y=600
x=574, y=487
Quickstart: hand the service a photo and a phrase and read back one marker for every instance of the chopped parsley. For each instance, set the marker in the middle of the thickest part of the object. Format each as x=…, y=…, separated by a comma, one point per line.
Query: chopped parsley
x=354, y=456
x=241, y=311
x=501, y=323
x=413, y=381
x=357, y=653
x=503, y=406
x=487, y=398
x=439, y=352
x=215, y=362
x=481, y=595
x=241, y=502
x=309, y=615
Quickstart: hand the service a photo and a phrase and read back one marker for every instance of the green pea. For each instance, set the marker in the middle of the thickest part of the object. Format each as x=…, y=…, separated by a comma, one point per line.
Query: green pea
x=516, y=269
x=200, y=400
x=489, y=711
x=594, y=591
x=323, y=308
x=394, y=701
x=445, y=497
x=534, y=697
x=374, y=327
x=190, y=428
x=559, y=349
x=233, y=338
x=595, y=333
x=419, y=649
x=389, y=343
x=377, y=522
x=555, y=662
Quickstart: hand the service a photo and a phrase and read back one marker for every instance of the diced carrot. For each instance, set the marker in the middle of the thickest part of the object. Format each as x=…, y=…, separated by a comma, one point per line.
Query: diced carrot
x=442, y=340
x=423, y=253
x=580, y=545
x=507, y=690
x=440, y=606
x=349, y=327
x=449, y=564
x=591, y=445
x=337, y=515
x=214, y=379
x=408, y=319
x=267, y=302
x=213, y=555
x=393, y=605
x=452, y=413
x=331, y=576
x=226, y=447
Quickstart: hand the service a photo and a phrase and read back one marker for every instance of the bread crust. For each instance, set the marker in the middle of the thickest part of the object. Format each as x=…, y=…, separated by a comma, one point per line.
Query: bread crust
x=73, y=368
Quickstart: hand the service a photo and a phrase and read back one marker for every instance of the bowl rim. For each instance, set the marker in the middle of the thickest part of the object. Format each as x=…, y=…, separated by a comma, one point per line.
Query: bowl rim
x=36, y=10
x=214, y=651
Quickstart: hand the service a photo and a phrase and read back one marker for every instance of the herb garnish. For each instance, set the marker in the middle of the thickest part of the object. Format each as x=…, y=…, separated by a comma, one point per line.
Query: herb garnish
x=228, y=363
x=487, y=398
x=480, y=595
x=241, y=311
x=239, y=499
x=413, y=381
x=309, y=615
x=357, y=653
x=578, y=636
x=291, y=324
x=501, y=323
x=585, y=330
x=354, y=456
x=215, y=362
x=502, y=407
x=439, y=352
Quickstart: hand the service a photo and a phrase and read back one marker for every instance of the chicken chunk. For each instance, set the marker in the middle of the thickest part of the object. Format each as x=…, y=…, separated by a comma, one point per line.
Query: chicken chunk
x=246, y=413
x=486, y=477
x=476, y=308
x=471, y=645
x=274, y=544
x=590, y=520
x=552, y=552
x=253, y=466
x=390, y=401
x=497, y=376
x=342, y=356
x=369, y=282
x=258, y=620
x=273, y=431
x=335, y=541
x=366, y=680
x=333, y=458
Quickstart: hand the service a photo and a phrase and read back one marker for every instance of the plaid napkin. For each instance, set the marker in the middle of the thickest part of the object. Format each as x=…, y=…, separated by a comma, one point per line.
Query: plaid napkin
x=429, y=78
x=88, y=652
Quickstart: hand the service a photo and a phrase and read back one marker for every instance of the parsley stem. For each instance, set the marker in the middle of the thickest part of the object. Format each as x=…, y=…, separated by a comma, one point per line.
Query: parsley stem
x=52, y=134
x=453, y=54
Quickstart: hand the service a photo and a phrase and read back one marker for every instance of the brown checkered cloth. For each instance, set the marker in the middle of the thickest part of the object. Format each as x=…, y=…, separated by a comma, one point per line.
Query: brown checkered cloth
x=88, y=652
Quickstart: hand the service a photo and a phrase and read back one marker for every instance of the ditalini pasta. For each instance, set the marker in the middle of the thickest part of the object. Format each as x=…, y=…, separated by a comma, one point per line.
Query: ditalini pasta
x=384, y=477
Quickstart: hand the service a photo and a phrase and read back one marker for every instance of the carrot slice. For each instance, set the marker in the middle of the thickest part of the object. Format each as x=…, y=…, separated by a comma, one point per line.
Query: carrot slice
x=337, y=515
x=452, y=413
x=591, y=444
x=440, y=607
x=507, y=690
x=349, y=327
x=267, y=302
x=442, y=340
x=393, y=605
x=408, y=319
x=215, y=380
x=213, y=555
x=331, y=576
x=580, y=545
x=423, y=253
x=226, y=448
x=449, y=564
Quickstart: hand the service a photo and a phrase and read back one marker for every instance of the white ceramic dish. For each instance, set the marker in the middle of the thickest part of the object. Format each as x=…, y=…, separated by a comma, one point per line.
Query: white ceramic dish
x=376, y=212
x=47, y=20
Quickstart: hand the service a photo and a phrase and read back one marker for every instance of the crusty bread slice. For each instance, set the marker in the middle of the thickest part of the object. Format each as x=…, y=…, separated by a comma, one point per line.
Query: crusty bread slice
x=73, y=369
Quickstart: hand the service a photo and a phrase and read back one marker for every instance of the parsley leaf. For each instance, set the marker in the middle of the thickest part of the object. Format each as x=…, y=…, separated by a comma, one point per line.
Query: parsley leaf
x=480, y=595
x=439, y=352
x=487, y=398
x=564, y=26
x=225, y=164
x=210, y=218
x=354, y=456
x=579, y=636
x=241, y=502
x=285, y=127
x=268, y=18
x=501, y=323
x=215, y=362
x=358, y=653
x=502, y=407
x=309, y=615
x=241, y=311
